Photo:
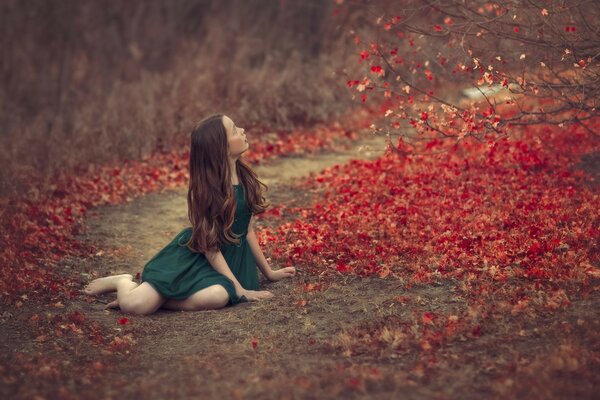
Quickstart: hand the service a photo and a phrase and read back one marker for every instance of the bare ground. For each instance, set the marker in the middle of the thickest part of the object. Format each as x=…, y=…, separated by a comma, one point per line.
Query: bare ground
x=299, y=344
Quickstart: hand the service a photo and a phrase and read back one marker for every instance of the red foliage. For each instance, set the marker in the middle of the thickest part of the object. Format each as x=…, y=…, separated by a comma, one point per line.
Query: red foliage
x=525, y=52
x=483, y=213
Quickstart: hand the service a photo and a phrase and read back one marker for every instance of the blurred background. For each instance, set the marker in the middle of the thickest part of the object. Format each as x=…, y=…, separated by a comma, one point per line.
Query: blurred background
x=88, y=81
x=96, y=82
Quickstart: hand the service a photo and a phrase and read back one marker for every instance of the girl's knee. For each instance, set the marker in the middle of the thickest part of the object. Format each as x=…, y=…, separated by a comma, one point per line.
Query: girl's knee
x=212, y=297
x=142, y=300
x=137, y=306
x=221, y=296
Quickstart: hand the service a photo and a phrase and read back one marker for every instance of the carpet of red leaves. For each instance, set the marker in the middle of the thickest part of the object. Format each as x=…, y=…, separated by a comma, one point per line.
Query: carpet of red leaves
x=510, y=218
x=38, y=230
x=514, y=219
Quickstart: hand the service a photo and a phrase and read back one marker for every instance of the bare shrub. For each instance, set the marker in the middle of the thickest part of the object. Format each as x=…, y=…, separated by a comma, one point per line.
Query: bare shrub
x=87, y=82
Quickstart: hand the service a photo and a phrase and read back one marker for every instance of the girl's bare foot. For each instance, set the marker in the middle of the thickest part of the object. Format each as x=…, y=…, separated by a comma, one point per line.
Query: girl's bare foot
x=105, y=285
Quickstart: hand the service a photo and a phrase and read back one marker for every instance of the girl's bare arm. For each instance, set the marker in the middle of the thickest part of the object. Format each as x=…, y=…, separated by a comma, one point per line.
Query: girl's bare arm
x=261, y=261
x=217, y=261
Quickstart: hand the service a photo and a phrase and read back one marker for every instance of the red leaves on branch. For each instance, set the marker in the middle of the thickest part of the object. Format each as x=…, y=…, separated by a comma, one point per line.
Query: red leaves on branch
x=480, y=73
x=377, y=70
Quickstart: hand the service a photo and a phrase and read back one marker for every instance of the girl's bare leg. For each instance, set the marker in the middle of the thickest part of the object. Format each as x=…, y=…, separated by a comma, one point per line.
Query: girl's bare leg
x=138, y=299
x=210, y=298
x=131, y=298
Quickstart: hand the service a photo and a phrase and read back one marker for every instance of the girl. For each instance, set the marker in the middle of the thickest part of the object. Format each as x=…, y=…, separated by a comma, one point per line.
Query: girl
x=212, y=263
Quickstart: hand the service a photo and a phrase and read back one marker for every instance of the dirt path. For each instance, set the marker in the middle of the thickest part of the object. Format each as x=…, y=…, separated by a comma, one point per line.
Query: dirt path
x=136, y=231
x=203, y=353
x=299, y=344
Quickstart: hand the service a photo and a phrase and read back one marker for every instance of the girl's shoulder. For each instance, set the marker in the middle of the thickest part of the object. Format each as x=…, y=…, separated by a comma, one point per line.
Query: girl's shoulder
x=184, y=235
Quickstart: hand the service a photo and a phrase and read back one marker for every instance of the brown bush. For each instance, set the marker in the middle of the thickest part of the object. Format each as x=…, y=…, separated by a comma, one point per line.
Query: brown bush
x=89, y=82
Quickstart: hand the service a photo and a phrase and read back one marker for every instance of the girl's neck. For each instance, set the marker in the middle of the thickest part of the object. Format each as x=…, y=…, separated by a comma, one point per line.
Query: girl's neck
x=234, y=177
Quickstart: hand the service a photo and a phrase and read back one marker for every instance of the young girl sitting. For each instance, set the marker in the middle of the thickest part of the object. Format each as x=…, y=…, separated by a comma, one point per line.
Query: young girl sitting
x=212, y=263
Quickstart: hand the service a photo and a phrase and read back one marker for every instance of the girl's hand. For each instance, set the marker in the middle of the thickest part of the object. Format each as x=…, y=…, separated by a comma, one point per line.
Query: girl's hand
x=255, y=295
x=282, y=273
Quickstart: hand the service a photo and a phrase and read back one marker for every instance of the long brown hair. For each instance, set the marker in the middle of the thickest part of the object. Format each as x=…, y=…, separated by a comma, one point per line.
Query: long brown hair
x=211, y=203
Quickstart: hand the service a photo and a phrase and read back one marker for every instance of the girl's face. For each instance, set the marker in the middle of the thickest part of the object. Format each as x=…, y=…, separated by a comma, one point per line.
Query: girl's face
x=236, y=138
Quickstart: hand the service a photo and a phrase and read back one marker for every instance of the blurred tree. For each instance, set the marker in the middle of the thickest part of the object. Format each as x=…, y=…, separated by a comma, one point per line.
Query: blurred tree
x=450, y=65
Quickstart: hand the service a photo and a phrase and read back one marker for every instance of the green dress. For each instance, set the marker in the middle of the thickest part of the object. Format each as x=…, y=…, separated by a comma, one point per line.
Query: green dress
x=177, y=272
